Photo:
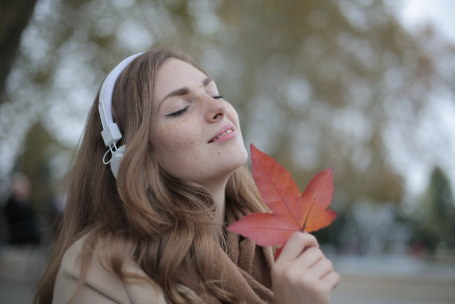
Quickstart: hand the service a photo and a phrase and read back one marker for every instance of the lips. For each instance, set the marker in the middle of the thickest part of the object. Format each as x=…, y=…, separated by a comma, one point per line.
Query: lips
x=222, y=130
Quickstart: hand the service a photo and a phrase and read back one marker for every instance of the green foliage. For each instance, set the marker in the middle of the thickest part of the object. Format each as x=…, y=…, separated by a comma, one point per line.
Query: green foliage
x=436, y=215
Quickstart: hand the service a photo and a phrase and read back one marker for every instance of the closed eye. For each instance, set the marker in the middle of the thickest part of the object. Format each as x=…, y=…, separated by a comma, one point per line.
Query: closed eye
x=179, y=112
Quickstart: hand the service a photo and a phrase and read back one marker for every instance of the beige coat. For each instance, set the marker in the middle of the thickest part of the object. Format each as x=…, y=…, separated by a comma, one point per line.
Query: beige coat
x=100, y=286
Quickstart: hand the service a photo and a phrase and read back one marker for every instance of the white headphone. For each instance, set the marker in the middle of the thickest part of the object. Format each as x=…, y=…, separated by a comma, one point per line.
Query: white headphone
x=111, y=133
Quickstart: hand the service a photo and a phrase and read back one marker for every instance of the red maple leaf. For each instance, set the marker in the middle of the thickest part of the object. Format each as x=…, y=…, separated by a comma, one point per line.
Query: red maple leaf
x=291, y=211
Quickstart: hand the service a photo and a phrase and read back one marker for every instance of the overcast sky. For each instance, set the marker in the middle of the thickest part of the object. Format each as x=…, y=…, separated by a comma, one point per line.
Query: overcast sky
x=441, y=13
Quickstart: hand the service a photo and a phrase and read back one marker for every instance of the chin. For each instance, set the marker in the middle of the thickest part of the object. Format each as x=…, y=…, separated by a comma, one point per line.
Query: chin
x=223, y=165
x=244, y=157
x=239, y=158
x=232, y=160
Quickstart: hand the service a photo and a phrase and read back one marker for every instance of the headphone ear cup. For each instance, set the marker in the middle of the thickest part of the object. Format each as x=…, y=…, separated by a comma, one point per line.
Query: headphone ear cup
x=116, y=159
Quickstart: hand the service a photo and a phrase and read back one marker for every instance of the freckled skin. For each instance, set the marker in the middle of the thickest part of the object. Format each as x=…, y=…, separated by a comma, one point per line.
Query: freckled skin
x=182, y=141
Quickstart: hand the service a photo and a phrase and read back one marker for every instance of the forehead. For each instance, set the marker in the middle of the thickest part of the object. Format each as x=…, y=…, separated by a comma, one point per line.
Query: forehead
x=176, y=74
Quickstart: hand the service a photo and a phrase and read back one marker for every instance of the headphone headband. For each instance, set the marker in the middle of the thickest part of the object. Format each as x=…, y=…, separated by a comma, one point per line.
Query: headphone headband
x=111, y=133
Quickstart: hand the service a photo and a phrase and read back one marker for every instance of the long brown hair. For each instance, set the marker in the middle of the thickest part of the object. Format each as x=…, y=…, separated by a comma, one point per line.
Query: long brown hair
x=166, y=224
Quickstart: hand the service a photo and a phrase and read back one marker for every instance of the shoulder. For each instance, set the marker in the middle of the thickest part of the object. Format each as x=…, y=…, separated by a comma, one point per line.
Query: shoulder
x=100, y=285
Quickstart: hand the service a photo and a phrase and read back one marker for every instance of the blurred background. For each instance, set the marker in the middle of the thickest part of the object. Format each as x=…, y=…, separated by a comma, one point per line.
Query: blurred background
x=364, y=86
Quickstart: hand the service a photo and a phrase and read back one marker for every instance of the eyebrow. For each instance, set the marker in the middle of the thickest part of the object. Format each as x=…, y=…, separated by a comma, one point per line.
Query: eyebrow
x=183, y=91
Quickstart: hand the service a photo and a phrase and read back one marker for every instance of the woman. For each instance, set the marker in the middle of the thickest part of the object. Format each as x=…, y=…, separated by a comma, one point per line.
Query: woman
x=156, y=234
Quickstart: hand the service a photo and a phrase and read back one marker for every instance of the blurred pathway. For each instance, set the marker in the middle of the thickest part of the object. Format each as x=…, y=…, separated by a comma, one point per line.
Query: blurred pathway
x=385, y=280
x=381, y=289
x=19, y=270
x=393, y=280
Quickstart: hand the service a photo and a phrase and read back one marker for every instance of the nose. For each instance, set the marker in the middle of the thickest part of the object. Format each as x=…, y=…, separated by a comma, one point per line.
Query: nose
x=215, y=109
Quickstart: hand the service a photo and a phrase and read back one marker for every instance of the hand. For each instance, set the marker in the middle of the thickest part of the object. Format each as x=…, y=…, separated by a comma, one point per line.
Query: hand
x=302, y=274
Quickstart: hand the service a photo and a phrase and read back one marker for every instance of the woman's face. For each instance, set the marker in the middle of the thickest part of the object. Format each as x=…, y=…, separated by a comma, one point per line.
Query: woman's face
x=197, y=132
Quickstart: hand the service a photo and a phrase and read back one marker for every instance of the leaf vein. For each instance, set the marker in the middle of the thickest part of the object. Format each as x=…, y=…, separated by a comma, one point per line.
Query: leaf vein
x=311, y=207
x=284, y=202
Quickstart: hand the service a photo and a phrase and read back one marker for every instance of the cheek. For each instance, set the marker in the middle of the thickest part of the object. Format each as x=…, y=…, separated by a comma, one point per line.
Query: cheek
x=177, y=145
x=232, y=113
x=234, y=117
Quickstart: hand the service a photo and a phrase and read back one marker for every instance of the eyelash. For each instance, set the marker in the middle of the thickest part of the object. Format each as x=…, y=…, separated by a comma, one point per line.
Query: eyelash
x=180, y=112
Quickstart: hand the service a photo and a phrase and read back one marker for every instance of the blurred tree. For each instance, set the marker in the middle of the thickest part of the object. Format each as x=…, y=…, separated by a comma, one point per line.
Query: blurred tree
x=441, y=195
x=15, y=15
x=316, y=83
x=435, y=218
x=318, y=89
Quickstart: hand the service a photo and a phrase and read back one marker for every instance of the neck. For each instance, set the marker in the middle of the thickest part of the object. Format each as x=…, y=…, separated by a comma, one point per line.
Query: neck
x=218, y=192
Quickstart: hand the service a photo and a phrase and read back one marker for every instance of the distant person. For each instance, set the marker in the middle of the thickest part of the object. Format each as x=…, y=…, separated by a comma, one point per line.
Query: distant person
x=151, y=228
x=19, y=214
x=55, y=215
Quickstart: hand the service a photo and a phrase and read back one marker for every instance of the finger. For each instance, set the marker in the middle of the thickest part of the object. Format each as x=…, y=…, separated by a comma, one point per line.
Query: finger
x=307, y=259
x=296, y=243
x=331, y=280
x=321, y=268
